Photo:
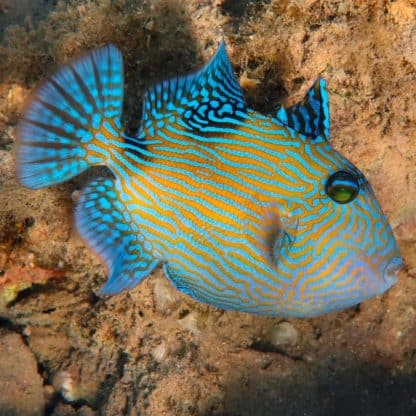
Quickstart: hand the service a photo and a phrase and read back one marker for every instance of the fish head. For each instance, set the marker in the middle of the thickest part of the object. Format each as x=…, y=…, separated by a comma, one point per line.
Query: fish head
x=332, y=241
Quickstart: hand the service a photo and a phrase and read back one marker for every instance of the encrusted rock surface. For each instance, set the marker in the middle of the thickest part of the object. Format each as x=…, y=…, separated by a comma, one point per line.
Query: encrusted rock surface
x=154, y=351
x=21, y=385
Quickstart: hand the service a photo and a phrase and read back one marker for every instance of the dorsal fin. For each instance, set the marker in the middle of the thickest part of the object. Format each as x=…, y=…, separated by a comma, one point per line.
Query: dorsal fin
x=310, y=117
x=201, y=98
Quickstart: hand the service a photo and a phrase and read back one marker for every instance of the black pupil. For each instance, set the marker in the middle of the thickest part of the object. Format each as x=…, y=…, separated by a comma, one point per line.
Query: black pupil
x=342, y=187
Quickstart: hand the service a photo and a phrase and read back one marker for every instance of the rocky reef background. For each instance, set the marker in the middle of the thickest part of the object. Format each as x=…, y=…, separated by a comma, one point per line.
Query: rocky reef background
x=154, y=351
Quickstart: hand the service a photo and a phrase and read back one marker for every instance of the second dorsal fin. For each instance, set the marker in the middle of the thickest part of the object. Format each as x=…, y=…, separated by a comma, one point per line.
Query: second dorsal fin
x=201, y=98
x=310, y=117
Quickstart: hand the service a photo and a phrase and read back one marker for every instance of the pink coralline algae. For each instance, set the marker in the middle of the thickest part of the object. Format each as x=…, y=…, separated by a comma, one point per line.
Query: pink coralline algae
x=17, y=278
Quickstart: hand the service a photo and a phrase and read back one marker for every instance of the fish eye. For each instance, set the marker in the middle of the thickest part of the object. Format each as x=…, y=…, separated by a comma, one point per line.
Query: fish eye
x=342, y=187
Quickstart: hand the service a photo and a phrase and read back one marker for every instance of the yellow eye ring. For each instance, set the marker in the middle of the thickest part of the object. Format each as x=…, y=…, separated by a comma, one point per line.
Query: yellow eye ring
x=342, y=187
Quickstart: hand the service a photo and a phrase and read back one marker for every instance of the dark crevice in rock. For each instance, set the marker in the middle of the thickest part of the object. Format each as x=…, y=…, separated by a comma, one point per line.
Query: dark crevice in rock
x=10, y=325
x=51, y=288
x=110, y=381
x=267, y=347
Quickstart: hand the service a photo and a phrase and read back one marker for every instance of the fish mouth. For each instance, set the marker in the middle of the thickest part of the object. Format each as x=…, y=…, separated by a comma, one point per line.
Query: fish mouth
x=392, y=269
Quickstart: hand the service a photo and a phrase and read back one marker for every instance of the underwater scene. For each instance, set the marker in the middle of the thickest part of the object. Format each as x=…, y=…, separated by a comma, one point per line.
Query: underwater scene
x=207, y=207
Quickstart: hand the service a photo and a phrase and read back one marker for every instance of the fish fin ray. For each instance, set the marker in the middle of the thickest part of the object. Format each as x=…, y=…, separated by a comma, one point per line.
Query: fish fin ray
x=207, y=96
x=106, y=226
x=310, y=117
x=178, y=279
x=65, y=115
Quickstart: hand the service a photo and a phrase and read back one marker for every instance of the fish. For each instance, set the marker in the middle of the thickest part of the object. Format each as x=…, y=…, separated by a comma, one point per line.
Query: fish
x=244, y=211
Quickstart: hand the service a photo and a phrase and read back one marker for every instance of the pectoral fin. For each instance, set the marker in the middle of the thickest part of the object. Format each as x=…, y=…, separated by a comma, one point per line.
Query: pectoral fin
x=277, y=236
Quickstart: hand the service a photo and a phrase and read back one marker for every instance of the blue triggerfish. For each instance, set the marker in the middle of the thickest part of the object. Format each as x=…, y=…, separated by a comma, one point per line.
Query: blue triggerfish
x=245, y=212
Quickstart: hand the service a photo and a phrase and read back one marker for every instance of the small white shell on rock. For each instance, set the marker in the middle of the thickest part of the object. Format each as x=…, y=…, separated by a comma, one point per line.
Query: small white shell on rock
x=164, y=294
x=67, y=385
x=191, y=323
x=76, y=195
x=283, y=333
x=160, y=352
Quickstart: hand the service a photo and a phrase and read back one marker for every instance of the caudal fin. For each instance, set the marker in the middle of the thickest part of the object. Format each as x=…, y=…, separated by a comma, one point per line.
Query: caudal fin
x=70, y=120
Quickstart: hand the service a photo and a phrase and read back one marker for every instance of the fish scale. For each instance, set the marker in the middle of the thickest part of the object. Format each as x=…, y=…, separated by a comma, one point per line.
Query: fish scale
x=245, y=211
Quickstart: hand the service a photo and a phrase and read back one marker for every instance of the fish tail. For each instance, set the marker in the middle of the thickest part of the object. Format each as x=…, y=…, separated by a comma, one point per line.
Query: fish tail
x=72, y=121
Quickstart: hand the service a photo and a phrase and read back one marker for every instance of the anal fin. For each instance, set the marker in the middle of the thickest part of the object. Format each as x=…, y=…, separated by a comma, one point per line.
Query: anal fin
x=104, y=223
x=179, y=280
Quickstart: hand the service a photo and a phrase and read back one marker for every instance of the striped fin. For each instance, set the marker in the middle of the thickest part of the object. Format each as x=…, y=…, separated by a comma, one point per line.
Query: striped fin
x=67, y=114
x=310, y=117
x=205, y=97
x=179, y=280
x=106, y=225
